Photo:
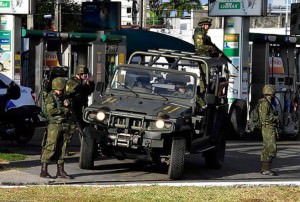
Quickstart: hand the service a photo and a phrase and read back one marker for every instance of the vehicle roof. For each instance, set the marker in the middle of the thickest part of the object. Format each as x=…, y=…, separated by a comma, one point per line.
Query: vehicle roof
x=137, y=66
x=177, y=55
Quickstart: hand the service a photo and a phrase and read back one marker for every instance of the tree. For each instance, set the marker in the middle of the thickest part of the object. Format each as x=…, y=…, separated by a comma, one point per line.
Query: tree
x=180, y=6
x=70, y=15
x=154, y=5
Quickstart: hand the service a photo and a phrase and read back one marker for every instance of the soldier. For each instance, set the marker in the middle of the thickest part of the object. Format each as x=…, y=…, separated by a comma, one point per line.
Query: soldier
x=58, y=132
x=203, y=44
x=269, y=128
x=78, y=88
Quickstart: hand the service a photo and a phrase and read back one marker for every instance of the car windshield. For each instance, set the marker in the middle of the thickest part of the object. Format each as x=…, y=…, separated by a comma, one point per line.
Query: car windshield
x=160, y=82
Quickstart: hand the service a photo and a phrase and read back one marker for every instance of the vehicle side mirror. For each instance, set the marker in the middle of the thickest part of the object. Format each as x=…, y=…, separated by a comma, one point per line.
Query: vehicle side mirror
x=100, y=86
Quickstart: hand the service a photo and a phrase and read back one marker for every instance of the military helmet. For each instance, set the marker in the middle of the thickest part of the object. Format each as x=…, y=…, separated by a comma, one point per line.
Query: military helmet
x=82, y=69
x=204, y=20
x=58, y=83
x=268, y=89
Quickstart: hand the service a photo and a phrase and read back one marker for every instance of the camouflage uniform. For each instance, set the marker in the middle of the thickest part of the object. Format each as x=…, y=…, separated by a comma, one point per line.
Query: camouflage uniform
x=203, y=47
x=59, y=131
x=79, y=91
x=203, y=44
x=269, y=120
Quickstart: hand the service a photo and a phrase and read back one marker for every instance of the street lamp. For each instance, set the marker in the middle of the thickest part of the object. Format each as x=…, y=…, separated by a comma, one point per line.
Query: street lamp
x=286, y=16
x=57, y=17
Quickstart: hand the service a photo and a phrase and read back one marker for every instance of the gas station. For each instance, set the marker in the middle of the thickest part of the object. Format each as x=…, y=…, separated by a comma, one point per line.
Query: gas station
x=257, y=59
x=68, y=50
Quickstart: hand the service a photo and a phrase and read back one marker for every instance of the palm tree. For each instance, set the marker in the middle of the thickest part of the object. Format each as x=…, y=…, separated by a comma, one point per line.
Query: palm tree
x=180, y=6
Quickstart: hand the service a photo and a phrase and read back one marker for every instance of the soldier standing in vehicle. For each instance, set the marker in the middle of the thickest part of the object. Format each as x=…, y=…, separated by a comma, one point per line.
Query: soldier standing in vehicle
x=79, y=88
x=59, y=131
x=269, y=128
x=203, y=44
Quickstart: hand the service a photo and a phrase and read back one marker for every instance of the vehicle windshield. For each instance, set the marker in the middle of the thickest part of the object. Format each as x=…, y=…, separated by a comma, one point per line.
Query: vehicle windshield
x=160, y=82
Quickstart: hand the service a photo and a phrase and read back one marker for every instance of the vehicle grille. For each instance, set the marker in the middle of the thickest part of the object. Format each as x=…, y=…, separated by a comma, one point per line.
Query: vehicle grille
x=123, y=122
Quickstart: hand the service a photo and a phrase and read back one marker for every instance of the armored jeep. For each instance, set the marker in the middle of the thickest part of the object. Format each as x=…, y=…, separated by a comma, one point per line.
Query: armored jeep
x=160, y=107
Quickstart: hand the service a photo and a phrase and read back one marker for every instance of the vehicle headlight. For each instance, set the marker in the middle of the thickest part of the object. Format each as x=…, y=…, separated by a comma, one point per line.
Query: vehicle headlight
x=100, y=116
x=159, y=124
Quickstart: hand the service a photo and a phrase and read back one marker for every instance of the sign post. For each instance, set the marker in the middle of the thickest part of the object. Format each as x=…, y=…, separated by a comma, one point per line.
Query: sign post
x=236, y=39
x=10, y=35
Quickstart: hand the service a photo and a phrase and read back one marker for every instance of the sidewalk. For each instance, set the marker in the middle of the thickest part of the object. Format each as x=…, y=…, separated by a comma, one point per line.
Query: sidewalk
x=26, y=172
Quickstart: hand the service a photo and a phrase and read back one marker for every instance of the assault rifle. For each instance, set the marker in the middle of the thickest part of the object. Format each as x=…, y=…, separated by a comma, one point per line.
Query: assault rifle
x=224, y=56
x=73, y=116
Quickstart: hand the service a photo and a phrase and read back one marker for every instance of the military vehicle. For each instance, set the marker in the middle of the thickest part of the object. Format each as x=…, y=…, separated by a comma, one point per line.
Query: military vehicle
x=161, y=106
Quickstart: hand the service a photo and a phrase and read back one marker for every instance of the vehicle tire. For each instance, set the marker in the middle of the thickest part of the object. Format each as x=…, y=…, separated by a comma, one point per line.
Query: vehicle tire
x=238, y=118
x=214, y=158
x=176, y=165
x=86, y=157
x=24, y=133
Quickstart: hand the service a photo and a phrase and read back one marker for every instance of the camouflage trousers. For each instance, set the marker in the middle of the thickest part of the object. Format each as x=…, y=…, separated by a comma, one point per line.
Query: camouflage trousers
x=269, y=149
x=58, y=137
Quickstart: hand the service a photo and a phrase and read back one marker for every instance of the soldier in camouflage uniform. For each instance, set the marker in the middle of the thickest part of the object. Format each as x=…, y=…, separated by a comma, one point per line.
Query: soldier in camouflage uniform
x=58, y=132
x=269, y=128
x=78, y=88
x=203, y=47
x=203, y=44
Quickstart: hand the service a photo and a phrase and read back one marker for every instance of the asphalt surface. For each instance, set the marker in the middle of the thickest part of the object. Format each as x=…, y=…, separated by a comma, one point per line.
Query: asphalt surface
x=241, y=166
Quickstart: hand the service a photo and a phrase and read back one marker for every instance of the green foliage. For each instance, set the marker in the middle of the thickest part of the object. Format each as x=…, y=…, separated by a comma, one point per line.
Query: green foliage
x=12, y=156
x=70, y=15
x=154, y=19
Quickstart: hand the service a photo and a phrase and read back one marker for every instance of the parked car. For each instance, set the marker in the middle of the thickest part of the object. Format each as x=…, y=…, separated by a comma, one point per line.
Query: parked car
x=19, y=116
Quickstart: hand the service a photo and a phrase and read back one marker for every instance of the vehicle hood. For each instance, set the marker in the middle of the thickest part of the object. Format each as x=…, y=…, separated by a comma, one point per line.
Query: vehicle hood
x=145, y=106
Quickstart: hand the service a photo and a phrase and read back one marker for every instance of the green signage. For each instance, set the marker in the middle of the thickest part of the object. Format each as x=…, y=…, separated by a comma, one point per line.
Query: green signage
x=5, y=40
x=4, y=3
x=231, y=45
x=230, y=5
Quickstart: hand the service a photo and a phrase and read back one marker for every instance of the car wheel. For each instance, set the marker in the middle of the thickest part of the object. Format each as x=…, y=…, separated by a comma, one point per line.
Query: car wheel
x=24, y=133
x=86, y=158
x=176, y=164
x=214, y=158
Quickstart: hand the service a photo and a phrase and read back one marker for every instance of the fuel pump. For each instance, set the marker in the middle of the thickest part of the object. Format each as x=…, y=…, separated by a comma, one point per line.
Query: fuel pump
x=103, y=57
x=110, y=67
x=273, y=62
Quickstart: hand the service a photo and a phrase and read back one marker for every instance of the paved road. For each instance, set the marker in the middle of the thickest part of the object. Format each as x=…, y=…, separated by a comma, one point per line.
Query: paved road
x=241, y=164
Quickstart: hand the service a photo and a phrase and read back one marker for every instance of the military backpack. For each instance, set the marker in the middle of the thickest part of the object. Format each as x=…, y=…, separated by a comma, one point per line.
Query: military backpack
x=254, y=119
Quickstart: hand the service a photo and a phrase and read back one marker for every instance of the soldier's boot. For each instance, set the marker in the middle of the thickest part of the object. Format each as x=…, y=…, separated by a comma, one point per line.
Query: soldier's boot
x=265, y=169
x=44, y=171
x=61, y=173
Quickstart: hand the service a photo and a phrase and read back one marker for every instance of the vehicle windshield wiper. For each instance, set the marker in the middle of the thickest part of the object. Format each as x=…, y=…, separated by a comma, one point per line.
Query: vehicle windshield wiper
x=162, y=96
x=126, y=87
